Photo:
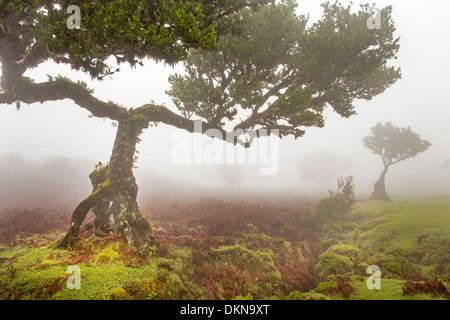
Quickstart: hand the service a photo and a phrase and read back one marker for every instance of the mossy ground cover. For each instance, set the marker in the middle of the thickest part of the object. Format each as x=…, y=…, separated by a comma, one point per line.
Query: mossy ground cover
x=412, y=232
x=210, y=250
x=408, y=239
x=233, y=250
x=398, y=224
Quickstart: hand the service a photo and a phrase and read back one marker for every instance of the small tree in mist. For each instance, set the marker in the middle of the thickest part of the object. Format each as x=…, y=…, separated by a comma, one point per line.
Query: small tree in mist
x=337, y=205
x=231, y=174
x=393, y=144
x=445, y=165
x=323, y=167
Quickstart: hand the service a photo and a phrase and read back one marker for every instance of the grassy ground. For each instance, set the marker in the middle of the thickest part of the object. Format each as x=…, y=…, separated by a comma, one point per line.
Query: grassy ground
x=390, y=289
x=223, y=250
x=407, y=239
x=398, y=224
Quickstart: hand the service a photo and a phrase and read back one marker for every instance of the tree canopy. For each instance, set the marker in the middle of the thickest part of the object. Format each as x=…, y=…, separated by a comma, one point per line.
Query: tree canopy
x=268, y=70
x=127, y=30
x=278, y=73
x=394, y=144
x=112, y=32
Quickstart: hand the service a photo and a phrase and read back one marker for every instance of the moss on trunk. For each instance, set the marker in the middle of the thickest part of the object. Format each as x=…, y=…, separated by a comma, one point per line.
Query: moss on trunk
x=114, y=195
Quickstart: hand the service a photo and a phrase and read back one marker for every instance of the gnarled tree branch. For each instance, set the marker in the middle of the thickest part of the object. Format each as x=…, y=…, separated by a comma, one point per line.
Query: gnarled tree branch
x=60, y=89
x=157, y=113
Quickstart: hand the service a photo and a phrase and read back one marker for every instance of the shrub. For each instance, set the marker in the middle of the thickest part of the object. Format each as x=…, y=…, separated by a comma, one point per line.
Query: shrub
x=331, y=263
x=400, y=266
x=298, y=295
x=344, y=286
x=118, y=294
x=425, y=285
x=378, y=259
x=395, y=264
x=325, y=287
x=256, y=263
x=347, y=250
x=337, y=205
x=315, y=296
x=433, y=251
x=243, y=271
x=339, y=284
x=295, y=295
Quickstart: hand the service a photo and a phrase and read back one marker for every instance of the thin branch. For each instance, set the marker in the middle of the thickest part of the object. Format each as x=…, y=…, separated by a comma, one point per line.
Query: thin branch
x=255, y=116
x=38, y=54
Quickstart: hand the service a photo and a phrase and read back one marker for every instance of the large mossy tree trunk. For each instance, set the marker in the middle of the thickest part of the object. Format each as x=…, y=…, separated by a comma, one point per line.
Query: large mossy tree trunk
x=114, y=195
x=379, y=191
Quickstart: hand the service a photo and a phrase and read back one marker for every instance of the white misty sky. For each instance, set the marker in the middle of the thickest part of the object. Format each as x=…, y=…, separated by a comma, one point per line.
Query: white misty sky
x=420, y=100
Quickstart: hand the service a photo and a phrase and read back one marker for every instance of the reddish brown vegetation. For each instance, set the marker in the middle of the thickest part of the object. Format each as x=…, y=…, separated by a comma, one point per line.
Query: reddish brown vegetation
x=344, y=286
x=202, y=226
x=425, y=285
x=29, y=221
x=211, y=223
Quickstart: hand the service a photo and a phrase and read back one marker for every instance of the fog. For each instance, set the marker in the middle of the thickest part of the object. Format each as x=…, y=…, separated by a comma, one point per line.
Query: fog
x=47, y=150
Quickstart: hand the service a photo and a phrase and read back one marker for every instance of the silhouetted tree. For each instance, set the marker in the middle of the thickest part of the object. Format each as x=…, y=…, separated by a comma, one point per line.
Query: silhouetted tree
x=231, y=174
x=446, y=165
x=393, y=144
x=323, y=167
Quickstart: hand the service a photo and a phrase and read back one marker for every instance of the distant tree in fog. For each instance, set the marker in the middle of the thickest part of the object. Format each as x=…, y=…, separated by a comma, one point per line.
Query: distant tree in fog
x=393, y=144
x=32, y=182
x=231, y=174
x=323, y=167
x=446, y=165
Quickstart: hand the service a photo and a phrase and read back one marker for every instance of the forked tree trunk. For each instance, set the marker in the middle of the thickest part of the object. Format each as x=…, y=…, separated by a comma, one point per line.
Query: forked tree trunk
x=379, y=191
x=114, y=195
